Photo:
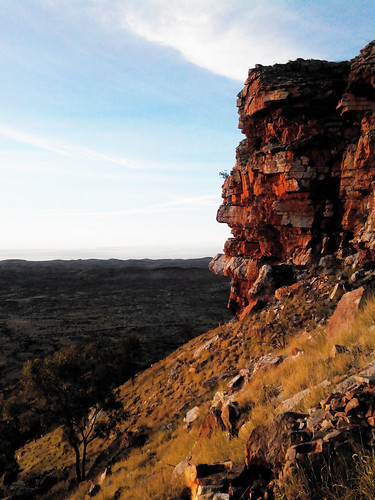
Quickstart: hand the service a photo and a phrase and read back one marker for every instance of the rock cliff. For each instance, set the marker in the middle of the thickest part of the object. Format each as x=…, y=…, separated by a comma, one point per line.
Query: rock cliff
x=303, y=184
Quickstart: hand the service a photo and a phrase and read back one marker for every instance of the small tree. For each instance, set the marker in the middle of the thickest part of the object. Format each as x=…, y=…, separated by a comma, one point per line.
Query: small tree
x=74, y=388
x=224, y=174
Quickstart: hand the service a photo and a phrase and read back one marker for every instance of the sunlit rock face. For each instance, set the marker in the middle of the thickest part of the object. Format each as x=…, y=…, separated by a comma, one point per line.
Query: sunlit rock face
x=303, y=183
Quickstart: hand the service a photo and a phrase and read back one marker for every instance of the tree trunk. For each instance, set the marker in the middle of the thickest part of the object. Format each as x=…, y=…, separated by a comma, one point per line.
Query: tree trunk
x=78, y=463
x=84, y=460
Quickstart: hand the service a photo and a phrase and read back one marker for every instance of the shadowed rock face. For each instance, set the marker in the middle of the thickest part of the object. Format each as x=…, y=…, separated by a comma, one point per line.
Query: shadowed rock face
x=303, y=183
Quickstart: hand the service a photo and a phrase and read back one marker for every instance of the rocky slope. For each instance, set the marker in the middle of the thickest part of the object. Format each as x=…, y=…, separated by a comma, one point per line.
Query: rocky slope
x=302, y=188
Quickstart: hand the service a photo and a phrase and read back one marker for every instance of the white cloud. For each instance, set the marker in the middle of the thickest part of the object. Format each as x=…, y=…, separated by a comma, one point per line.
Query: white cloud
x=225, y=37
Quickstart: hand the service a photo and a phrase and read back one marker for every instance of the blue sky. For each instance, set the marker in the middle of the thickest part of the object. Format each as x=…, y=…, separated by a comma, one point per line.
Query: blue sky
x=117, y=116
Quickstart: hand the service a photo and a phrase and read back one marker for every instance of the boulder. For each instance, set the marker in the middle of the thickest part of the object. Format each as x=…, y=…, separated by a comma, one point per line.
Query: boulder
x=207, y=480
x=268, y=444
x=346, y=310
x=230, y=415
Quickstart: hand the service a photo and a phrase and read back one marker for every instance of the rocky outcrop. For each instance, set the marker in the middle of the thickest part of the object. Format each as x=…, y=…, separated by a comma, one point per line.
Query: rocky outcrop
x=303, y=184
x=324, y=440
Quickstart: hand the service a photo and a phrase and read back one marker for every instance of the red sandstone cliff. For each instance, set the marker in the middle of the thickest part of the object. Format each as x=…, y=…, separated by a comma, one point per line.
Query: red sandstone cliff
x=303, y=186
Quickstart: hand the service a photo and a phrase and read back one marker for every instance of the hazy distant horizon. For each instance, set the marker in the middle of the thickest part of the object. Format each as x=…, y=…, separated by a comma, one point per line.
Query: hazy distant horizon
x=38, y=254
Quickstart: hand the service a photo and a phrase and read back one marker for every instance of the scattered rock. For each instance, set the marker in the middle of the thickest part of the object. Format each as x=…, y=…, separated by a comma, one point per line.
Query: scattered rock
x=286, y=291
x=180, y=468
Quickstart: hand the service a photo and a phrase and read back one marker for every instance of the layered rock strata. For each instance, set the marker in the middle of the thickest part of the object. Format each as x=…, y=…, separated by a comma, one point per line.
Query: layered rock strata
x=303, y=184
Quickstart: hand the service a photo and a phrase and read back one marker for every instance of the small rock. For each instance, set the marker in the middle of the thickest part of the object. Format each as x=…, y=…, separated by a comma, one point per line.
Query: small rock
x=207, y=345
x=236, y=383
x=337, y=292
x=351, y=406
x=327, y=262
x=86, y=485
x=296, y=351
x=180, y=468
x=267, y=361
x=337, y=350
x=229, y=416
x=94, y=490
x=316, y=418
x=191, y=416
x=210, y=383
x=106, y=473
x=365, y=379
x=354, y=277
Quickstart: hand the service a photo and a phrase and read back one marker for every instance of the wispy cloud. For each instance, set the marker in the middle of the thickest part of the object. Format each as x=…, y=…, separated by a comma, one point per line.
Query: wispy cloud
x=196, y=202
x=69, y=150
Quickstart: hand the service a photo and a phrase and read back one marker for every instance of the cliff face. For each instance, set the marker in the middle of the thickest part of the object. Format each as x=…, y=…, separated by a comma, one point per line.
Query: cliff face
x=303, y=184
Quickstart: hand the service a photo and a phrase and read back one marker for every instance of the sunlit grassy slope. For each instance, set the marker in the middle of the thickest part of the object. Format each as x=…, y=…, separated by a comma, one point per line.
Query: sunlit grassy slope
x=158, y=399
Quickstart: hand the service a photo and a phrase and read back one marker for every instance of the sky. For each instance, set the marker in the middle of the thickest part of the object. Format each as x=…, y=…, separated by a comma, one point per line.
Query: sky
x=118, y=115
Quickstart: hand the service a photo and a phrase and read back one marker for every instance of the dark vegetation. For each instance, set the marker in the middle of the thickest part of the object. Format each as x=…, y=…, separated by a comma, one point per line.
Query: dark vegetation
x=75, y=388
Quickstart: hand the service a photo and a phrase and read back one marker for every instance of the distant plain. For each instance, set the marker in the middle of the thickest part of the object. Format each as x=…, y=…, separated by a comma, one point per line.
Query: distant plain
x=47, y=305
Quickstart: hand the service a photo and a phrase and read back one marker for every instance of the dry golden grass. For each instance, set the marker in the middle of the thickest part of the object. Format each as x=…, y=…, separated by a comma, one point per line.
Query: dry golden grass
x=220, y=447
x=156, y=398
x=356, y=483
x=45, y=453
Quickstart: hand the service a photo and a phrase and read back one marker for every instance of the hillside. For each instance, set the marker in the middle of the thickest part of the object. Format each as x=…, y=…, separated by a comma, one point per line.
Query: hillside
x=202, y=402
